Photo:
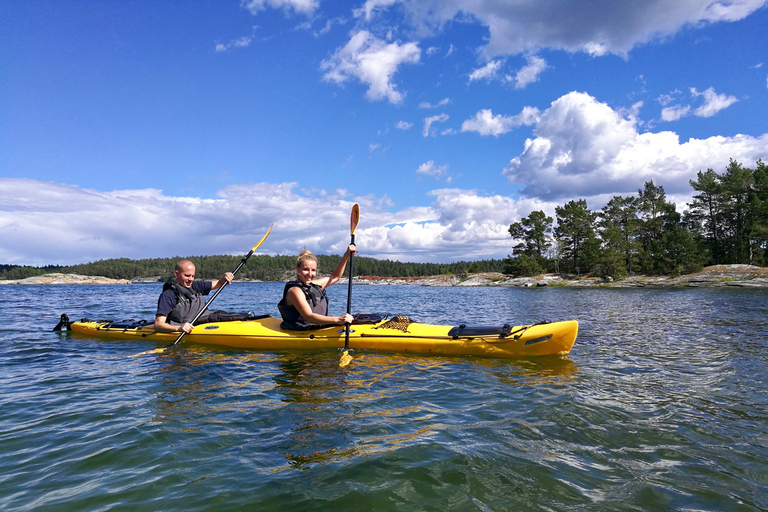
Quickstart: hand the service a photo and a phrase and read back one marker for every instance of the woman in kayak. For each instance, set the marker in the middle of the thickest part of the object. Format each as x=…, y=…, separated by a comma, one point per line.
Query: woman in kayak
x=304, y=304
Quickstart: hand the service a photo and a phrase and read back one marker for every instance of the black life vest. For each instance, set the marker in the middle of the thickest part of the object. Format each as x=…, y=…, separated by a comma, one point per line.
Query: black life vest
x=316, y=298
x=190, y=302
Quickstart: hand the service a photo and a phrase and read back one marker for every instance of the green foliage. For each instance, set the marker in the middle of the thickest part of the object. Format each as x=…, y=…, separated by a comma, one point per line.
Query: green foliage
x=534, y=242
x=259, y=267
x=524, y=265
x=575, y=233
x=726, y=222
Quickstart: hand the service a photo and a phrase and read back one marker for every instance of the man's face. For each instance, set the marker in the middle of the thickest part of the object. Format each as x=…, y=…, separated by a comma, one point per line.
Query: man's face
x=185, y=276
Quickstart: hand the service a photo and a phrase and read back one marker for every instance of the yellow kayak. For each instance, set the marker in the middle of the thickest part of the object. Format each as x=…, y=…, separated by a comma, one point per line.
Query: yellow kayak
x=395, y=334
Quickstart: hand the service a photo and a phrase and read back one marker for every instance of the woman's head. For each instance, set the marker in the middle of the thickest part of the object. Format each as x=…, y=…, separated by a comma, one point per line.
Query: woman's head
x=306, y=267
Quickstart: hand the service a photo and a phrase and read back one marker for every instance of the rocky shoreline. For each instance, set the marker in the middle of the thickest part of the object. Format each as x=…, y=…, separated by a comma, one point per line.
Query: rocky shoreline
x=748, y=276
x=743, y=276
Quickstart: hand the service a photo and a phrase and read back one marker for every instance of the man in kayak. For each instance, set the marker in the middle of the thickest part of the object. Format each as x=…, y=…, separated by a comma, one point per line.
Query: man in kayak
x=304, y=304
x=182, y=300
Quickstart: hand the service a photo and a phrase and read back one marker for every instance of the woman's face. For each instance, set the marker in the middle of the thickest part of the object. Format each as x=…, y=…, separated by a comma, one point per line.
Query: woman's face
x=306, y=271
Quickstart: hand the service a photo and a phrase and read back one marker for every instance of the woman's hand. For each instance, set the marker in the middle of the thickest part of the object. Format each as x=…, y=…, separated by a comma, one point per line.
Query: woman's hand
x=345, y=319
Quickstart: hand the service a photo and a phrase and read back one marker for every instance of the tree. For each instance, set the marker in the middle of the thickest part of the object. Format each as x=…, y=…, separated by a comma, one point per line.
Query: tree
x=738, y=186
x=619, y=228
x=533, y=232
x=758, y=216
x=706, y=210
x=575, y=232
x=654, y=208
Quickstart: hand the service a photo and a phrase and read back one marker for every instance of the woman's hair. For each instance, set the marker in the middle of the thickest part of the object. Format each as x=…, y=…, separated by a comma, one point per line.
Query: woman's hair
x=305, y=256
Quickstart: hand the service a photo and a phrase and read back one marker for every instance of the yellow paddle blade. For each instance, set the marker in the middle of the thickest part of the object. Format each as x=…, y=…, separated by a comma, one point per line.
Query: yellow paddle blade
x=354, y=218
x=345, y=358
x=262, y=239
x=148, y=352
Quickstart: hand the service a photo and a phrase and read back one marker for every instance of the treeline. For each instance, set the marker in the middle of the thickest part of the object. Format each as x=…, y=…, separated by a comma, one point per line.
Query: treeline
x=259, y=267
x=725, y=223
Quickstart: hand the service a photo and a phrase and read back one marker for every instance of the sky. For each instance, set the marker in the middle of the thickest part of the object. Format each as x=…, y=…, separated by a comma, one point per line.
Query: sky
x=156, y=128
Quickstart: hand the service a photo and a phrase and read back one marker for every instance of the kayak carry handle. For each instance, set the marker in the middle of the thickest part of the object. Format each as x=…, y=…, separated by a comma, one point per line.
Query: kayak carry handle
x=63, y=323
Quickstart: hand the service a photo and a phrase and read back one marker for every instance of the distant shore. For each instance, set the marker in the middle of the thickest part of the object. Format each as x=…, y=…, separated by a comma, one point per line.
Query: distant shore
x=745, y=276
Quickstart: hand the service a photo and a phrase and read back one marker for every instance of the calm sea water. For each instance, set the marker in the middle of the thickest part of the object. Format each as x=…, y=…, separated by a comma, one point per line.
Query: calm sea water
x=661, y=405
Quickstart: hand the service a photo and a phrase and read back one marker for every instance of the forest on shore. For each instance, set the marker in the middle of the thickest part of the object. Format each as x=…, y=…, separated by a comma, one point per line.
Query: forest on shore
x=725, y=223
x=259, y=267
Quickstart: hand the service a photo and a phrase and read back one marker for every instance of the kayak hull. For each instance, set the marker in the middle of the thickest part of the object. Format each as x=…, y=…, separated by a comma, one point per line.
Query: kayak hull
x=384, y=335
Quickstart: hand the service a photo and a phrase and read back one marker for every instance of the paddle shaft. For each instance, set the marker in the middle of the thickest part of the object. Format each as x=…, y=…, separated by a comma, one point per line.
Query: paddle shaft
x=349, y=295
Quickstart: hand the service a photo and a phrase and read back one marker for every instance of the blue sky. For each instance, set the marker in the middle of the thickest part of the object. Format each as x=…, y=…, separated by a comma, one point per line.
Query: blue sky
x=155, y=128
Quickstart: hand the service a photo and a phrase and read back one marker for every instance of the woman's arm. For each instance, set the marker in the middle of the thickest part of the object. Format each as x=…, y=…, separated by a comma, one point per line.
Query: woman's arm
x=297, y=299
x=325, y=282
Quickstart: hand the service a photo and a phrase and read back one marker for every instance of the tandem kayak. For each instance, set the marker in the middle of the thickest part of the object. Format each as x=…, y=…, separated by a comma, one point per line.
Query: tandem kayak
x=388, y=334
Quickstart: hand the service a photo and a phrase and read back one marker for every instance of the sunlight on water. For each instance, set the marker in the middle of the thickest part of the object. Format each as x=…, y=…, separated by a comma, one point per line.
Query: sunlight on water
x=661, y=405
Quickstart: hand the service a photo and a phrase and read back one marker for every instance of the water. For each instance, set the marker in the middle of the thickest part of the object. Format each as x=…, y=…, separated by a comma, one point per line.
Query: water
x=661, y=405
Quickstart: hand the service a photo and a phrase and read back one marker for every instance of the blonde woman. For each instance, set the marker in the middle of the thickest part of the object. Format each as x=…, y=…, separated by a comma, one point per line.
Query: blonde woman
x=304, y=304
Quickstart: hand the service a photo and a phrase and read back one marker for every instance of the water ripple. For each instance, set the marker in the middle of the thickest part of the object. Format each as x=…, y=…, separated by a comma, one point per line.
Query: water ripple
x=661, y=406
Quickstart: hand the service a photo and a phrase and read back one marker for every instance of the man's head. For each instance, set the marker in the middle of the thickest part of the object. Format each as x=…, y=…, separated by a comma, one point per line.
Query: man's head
x=184, y=273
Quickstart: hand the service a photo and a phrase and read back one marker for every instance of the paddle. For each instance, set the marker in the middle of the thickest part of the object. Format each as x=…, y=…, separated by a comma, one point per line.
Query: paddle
x=205, y=308
x=354, y=217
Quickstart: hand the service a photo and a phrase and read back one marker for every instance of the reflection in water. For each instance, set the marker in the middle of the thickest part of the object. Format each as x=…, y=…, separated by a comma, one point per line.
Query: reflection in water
x=384, y=402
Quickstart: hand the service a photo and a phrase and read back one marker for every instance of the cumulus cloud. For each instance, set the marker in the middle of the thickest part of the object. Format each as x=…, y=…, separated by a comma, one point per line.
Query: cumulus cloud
x=49, y=223
x=459, y=225
x=597, y=28
x=584, y=148
x=372, y=61
x=485, y=123
x=403, y=125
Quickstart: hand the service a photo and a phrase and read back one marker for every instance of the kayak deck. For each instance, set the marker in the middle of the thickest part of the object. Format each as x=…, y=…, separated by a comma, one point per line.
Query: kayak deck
x=396, y=334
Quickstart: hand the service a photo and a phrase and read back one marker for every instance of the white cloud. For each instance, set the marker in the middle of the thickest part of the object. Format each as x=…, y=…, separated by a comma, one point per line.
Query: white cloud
x=301, y=6
x=530, y=73
x=597, y=28
x=485, y=123
x=242, y=42
x=430, y=169
x=675, y=112
x=441, y=118
x=487, y=72
x=713, y=102
x=459, y=225
x=583, y=148
x=666, y=99
x=372, y=5
x=441, y=103
x=373, y=62
x=403, y=125
x=49, y=223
